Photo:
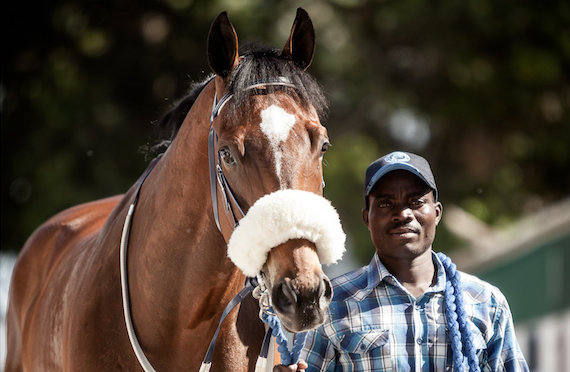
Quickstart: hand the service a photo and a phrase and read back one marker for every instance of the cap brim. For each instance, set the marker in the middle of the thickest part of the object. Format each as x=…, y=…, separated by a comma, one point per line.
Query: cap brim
x=392, y=167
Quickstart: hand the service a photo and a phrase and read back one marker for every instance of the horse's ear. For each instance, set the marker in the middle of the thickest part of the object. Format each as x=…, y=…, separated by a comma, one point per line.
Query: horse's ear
x=222, y=46
x=300, y=46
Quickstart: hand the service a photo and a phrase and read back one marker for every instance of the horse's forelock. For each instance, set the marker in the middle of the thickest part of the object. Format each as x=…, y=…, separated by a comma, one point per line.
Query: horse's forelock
x=260, y=64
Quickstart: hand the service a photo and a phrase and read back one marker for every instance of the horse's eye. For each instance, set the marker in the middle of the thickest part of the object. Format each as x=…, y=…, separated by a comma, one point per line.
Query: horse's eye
x=325, y=147
x=227, y=156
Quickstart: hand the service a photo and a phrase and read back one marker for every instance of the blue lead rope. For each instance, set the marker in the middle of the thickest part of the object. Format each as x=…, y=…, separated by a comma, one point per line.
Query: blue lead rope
x=287, y=357
x=461, y=335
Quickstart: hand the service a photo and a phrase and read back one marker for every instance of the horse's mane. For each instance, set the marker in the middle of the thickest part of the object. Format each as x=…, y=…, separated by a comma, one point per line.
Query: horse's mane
x=259, y=63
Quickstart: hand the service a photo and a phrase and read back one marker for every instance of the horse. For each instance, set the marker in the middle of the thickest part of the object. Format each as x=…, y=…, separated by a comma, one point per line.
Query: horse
x=249, y=134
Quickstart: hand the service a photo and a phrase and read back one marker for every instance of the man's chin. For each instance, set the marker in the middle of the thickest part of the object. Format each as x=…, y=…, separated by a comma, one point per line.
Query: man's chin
x=411, y=250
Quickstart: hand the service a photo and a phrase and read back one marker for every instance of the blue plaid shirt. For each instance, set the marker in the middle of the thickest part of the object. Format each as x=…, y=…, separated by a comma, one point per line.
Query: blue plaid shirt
x=375, y=324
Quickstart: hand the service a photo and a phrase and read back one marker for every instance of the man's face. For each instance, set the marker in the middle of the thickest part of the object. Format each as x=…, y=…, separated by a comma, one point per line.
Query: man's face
x=402, y=215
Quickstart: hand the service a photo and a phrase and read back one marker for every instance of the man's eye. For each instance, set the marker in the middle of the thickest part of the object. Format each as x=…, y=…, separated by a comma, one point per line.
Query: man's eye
x=417, y=202
x=384, y=204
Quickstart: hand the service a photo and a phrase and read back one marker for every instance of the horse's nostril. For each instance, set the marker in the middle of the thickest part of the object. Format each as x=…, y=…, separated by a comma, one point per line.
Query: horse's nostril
x=284, y=296
x=327, y=288
x=325, y=293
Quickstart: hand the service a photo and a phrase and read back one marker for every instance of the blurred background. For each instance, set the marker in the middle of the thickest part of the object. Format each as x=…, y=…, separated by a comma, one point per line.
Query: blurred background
x=480, y=88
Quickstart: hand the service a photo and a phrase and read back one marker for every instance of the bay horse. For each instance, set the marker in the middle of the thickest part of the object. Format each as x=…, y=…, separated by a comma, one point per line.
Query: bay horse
x=251, y=131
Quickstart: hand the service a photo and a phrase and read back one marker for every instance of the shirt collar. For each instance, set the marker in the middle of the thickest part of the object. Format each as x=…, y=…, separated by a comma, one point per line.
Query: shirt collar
x=377, y=272
x=441, y=277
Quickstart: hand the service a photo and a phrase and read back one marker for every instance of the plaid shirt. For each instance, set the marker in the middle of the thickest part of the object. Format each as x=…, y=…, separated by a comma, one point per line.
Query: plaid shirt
x=375, y=324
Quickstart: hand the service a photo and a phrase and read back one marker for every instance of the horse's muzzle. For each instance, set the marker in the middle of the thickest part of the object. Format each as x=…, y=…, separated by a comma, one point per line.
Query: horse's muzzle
x=301, y=302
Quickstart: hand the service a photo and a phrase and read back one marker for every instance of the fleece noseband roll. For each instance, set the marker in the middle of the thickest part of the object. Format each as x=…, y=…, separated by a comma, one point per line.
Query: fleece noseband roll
x=281, y=216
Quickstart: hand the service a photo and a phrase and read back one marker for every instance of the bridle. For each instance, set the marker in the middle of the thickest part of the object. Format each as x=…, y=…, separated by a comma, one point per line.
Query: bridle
x=217, y=177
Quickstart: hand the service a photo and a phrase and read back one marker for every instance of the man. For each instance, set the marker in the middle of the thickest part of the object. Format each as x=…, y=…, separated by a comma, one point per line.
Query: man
x=396, y=314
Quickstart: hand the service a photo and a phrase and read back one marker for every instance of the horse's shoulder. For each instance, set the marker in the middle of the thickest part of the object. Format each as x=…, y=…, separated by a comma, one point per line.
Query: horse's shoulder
x=56, y=236
x=48, y=255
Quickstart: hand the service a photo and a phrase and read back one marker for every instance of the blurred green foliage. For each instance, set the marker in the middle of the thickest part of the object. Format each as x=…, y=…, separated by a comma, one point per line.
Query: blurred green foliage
x=479, y=87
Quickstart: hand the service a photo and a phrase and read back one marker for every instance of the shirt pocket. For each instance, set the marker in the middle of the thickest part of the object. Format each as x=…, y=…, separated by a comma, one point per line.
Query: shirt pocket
x=367, y=348
x=364, y=341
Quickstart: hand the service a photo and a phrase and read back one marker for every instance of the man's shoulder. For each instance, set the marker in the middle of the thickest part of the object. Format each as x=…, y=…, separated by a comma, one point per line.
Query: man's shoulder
x=347, y=285
x=476, y=290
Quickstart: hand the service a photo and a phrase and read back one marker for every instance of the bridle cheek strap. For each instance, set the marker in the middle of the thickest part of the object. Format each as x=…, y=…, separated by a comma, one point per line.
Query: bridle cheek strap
x=217, y=177
x=281, y=216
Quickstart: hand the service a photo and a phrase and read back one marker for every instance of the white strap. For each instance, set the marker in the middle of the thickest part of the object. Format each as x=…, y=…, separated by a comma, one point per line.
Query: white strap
x=145, y=364
x=205, y=367
x=261, y=365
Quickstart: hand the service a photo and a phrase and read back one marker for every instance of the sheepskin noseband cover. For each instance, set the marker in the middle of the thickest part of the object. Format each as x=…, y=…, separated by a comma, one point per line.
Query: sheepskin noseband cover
x=280, y=216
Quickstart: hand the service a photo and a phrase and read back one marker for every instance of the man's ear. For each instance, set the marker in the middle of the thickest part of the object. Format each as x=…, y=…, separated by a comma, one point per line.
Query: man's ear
x=365, y=216
x=438, y=212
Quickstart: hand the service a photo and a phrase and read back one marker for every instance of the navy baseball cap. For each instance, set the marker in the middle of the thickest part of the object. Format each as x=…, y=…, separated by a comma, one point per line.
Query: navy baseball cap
x=398, y=160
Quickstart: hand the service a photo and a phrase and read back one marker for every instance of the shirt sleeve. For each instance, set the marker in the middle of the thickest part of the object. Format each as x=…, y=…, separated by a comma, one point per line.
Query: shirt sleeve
x=318, y=352
x=503, y=350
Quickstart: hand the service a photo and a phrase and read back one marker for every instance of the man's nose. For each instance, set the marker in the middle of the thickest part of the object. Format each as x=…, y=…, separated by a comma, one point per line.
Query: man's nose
x=402, y=213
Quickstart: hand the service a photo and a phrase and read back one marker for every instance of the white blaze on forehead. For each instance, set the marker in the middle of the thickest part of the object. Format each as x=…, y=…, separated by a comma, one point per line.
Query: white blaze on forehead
x=276, y=124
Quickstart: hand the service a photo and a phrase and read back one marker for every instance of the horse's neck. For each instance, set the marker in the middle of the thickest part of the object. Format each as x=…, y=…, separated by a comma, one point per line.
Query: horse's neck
x=174, y=219
x=179, y=270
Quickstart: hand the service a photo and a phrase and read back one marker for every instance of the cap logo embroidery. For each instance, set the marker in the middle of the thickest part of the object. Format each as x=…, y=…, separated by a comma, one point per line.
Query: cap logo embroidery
x=397, y=157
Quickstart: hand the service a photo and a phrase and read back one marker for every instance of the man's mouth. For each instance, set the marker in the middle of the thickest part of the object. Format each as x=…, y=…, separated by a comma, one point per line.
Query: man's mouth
x=403, y=232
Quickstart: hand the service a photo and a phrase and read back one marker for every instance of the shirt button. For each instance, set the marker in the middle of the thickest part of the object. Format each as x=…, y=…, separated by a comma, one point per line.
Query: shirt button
x=419, y=340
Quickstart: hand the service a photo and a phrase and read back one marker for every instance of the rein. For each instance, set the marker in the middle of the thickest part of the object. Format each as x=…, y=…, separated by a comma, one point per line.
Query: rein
x=256, y=287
